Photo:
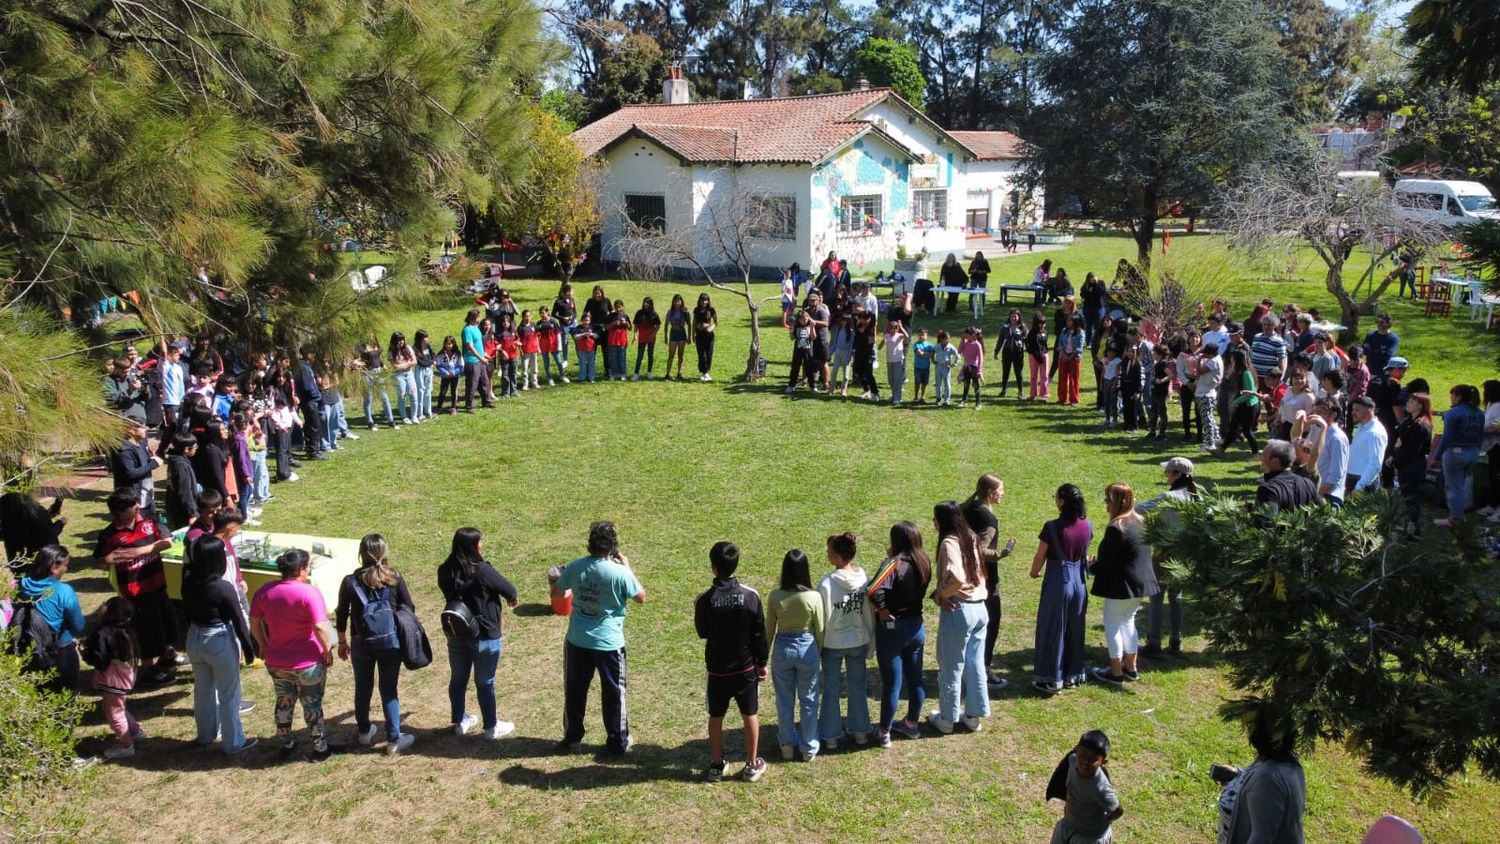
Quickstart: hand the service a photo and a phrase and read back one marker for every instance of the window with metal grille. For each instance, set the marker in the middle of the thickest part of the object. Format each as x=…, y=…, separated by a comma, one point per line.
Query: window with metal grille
x=648, y=211
x=860, y=215
x=929, y=209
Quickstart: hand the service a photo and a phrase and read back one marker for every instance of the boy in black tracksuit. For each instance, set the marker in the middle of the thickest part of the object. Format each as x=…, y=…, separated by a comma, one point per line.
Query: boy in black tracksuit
x=182, y=482
x=730, y=618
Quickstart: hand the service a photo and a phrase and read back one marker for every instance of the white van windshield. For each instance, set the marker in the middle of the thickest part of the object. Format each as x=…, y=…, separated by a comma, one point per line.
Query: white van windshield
x=1477, y=203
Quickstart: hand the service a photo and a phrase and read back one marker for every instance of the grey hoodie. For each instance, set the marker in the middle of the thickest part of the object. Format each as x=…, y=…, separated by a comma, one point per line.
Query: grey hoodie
x=851, y=619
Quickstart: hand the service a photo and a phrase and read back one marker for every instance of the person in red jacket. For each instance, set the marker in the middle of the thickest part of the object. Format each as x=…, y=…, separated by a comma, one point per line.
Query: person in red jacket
x=549, y=335
x=587, y=341
x=647, y=323
x=510, y=350
x=617, y=340
x=531, y=346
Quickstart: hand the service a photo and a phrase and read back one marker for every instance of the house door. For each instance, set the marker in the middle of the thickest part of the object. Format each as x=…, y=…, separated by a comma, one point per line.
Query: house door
x=977, y=219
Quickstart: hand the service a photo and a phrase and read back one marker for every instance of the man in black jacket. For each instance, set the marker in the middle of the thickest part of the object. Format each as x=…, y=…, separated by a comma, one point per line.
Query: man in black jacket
x=132, y=467
x=730, y=618
x=311, y=399
x=1280, y=488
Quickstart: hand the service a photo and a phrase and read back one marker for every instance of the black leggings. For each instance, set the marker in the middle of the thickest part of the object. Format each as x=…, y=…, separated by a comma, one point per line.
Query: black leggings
x=447, y=387
x=1010, y=360
x=649, y=350
x=969, y=378
x=283, y=454
x=1242, y=423
x=704, y=340
x=1192, y=422
x=801, y=366
x=864, y=374
x=992, y=630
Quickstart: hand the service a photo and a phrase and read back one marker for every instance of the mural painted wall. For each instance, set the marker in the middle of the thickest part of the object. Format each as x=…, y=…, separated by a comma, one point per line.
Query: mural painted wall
x=868, y=168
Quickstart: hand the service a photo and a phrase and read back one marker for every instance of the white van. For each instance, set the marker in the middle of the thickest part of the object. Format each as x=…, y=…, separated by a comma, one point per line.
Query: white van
x=1444, y=202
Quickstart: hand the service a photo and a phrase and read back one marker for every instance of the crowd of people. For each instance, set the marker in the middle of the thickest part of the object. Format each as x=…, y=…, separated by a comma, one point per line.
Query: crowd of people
x=811, y=635
x=1339, y=421
x=1352, y=418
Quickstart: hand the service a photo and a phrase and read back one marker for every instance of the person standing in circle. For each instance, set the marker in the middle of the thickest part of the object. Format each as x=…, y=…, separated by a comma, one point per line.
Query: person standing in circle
x=979, y=512
x=602, y=584
x=1123, y=577
x=1061, y=617
x=374, y=650
x=473, y=590
x=705, y=321
x=289, y=622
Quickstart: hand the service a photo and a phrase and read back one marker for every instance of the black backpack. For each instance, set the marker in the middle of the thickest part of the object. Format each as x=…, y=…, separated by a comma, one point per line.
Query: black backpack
x=33, y=638
x=380, y=620
x=458, y=621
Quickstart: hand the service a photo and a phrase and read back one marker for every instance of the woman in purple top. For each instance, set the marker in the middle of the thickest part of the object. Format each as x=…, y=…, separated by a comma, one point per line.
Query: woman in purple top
x=1061, y=618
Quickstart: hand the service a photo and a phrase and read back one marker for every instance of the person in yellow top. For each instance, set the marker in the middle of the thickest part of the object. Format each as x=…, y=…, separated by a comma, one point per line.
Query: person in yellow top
x=795, y=619
x=960, y=594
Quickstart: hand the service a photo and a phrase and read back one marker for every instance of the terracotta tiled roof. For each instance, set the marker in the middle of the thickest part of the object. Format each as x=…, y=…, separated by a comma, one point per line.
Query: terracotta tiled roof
x=780, y=130
x=991, y=146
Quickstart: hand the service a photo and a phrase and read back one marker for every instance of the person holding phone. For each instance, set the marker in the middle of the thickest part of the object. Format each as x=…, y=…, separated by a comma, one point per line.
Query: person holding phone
x=602, y=584
x=979, y=512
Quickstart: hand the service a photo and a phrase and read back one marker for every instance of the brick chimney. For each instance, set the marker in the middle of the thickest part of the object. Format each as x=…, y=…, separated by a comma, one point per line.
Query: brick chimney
x=674, y=91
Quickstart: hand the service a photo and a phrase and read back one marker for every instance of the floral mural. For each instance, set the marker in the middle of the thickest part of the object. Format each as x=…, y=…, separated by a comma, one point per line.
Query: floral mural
x=845, y=193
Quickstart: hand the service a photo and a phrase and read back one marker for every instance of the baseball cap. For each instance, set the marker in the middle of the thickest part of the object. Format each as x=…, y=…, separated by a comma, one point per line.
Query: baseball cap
x=1233, y=327
x=1395, y=363
x=1180, y=465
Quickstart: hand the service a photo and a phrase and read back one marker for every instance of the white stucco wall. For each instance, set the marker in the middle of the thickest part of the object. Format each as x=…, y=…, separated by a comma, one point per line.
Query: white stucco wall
x=641, y=167
x=999, y=178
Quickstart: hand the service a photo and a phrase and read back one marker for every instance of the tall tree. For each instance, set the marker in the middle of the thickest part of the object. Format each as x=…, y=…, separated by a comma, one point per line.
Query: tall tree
x=1457, y=41
x=1325, y=47
x=1154, y=102
x=556, y=202
x=888, y=63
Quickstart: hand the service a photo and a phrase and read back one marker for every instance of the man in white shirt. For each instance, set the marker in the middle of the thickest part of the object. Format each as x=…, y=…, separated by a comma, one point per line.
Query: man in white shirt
x=1367, y=449
x=1333, y=461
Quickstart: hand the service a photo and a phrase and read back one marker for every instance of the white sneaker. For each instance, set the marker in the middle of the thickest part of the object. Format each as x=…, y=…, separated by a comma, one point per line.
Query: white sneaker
x=940, y=723
x=500, y=730
x=350, y=435
x=463, y=727
x=970, y=723
x=551, y=383
x=400, y=745
x=255, y=512
x=367, y=737
x=293, y=477
x=252, y=523
x=565, y=380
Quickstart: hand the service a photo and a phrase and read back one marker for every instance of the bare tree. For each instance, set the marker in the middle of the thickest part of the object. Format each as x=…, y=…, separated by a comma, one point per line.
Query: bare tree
x=721, y=247
x=1352, y=225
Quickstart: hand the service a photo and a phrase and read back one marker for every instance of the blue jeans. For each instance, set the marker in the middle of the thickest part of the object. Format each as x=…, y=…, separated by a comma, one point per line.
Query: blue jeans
x=406, y=394
x=260, y=477
x=942, y=383
x=365, y=665
x=898, y=650
x=1458, y=465
x=851, y=660
x=896, y=372
x=375, y=384
x=338, y=411
x=330, y=429
x=795, y=669
x=550, y=360
x=482, y=656
x=586, y=367
x=615, y=361
x=215, y=655
x=424, y=390
x=960, y=649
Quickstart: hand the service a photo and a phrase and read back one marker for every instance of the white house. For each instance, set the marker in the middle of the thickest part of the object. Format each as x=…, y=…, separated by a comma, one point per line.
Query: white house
x=859, y=173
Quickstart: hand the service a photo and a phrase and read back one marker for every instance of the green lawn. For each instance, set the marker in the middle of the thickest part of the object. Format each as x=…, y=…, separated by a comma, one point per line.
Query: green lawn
x=678, y=466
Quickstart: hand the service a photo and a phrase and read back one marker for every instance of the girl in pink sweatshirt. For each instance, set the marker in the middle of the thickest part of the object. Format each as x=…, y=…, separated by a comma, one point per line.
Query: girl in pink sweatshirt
x=971, y=352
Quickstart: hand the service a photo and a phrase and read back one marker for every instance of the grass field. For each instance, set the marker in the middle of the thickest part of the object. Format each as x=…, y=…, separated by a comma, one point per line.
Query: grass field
x=678, y=466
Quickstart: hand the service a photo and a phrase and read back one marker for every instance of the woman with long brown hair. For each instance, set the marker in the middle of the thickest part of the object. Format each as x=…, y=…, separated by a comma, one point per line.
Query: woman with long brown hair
x=960, y=595
x=1123, y=577
x=897, y=592
x=368, y=599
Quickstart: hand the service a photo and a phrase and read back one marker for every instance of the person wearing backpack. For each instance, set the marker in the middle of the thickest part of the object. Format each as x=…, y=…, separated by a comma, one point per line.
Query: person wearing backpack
x=472, y=592
x=368, y=600
x=218, y=639
x=48, y=618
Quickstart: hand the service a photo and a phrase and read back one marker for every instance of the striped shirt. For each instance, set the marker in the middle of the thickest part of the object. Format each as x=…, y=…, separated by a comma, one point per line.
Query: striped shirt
x=1267, y=354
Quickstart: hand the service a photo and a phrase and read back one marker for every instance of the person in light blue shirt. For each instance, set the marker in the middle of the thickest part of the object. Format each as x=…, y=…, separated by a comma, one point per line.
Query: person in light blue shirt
x=1367, y=450
x=602, y=584
x=1333, y=461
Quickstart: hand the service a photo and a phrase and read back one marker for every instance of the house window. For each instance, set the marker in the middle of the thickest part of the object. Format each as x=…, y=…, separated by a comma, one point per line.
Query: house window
x=775, y=218
x=929, y=209
x=647, y=211
x=860, y=215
